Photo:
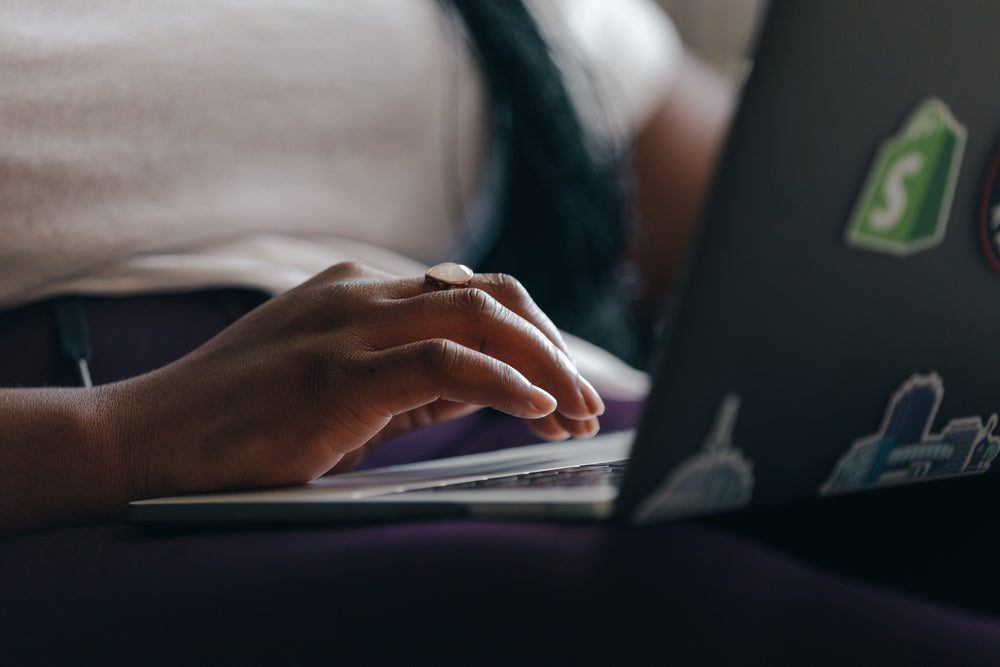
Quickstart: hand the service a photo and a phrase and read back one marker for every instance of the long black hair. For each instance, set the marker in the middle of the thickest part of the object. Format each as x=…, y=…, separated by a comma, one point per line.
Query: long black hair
x=561, y=221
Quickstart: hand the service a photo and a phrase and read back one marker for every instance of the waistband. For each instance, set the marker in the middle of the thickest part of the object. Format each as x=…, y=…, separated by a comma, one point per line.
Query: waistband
x=127, y=336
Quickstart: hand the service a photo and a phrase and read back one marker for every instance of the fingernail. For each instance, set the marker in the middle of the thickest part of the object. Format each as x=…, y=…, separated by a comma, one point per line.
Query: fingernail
x=591, y=397
x=542, y=400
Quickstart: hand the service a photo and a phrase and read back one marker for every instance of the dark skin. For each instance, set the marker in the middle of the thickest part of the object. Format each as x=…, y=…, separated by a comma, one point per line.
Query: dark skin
x=675, y=155
x=299, y=387
x=308, y=382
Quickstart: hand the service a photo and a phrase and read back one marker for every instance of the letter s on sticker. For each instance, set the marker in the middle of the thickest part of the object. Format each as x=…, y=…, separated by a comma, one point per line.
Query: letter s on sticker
x=906, y=166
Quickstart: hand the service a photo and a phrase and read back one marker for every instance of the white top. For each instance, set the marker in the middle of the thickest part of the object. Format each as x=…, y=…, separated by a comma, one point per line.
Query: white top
x=172, y=144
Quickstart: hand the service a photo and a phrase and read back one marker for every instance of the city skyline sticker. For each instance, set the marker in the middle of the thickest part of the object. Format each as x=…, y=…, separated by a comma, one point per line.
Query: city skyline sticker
x=904, y=450
x=716, y=478
x=906, y=197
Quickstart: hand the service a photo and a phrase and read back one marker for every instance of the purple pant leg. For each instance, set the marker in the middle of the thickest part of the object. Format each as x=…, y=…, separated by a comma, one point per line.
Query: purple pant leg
x=455, y=592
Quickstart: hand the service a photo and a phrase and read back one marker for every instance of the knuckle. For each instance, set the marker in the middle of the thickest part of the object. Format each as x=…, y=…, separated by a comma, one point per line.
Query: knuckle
x=438, y=356
x=473, y=303
x=511, y=288
x=347, y=270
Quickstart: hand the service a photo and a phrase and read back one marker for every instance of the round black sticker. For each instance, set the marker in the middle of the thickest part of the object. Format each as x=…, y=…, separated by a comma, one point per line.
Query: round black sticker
x=989, y=212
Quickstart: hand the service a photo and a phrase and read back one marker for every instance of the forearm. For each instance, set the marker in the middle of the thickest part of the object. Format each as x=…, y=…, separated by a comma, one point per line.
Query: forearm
x=60, y=461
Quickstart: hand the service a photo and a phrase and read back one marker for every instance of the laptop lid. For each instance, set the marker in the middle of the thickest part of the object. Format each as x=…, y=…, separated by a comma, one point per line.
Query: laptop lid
x=837, y=326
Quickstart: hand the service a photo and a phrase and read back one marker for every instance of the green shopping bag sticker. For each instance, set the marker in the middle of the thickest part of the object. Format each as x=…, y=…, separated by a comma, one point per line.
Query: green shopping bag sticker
x=907, y=196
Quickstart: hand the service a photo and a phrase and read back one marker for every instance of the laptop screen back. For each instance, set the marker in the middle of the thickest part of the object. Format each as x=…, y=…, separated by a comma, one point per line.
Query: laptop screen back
x=838, y=322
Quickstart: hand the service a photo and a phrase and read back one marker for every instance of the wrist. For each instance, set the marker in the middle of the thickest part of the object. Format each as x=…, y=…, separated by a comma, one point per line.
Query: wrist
x=109, y=424
x=60, y=461
x=135, y=428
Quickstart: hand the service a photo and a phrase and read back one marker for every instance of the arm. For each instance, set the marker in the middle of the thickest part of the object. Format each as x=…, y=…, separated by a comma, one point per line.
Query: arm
x=58, y=461
x=302, y=385
x=675, y=155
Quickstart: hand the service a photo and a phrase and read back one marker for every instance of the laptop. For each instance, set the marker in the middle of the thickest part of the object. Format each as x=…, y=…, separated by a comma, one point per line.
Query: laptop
x=836, y=327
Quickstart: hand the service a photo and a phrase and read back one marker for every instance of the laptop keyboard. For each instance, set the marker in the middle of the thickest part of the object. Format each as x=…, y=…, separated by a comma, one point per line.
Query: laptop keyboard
x=594, y=474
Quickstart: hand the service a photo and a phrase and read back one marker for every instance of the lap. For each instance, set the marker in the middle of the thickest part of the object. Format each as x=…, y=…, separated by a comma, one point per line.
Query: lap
x=461, y=591
x=453, y=591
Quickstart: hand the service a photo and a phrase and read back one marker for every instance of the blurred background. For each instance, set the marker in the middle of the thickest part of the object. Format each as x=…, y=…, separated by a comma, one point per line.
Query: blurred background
x=718, y=30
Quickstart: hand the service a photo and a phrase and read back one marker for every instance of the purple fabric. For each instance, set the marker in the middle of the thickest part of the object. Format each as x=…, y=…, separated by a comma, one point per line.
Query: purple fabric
x=129, y=335
x=455, y=592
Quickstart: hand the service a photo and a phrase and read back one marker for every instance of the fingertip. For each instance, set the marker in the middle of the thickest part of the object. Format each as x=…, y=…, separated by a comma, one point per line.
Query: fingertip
x=542, y=401
x=590, y=396
x=581, y=428
x=594, y=427
x=554, y=437
x=549, y=428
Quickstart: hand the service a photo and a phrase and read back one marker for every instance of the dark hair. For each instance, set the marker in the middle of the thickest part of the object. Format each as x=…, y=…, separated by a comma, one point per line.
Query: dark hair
x=561, y=221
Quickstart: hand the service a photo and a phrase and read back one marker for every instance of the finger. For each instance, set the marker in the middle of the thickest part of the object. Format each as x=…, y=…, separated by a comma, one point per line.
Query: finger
x=426, y=415
x=511, y=293
x=579, y=428
x=548, y=428
x=504, y=288
x=560, y=427
x=501, y=287
x=416, y=374
x=475, y=319
x=432, y=413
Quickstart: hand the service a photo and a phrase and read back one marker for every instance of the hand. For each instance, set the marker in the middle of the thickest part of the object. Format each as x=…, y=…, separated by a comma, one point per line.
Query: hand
x=307, y=382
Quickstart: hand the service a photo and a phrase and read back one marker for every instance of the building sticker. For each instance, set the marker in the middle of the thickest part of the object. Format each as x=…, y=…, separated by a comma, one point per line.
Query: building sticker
x=905, y=451
x=717, y=478
x=906, y=198
x=989, y=212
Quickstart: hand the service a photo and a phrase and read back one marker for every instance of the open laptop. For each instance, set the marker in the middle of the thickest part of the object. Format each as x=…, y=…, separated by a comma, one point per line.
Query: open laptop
x=837, y=323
